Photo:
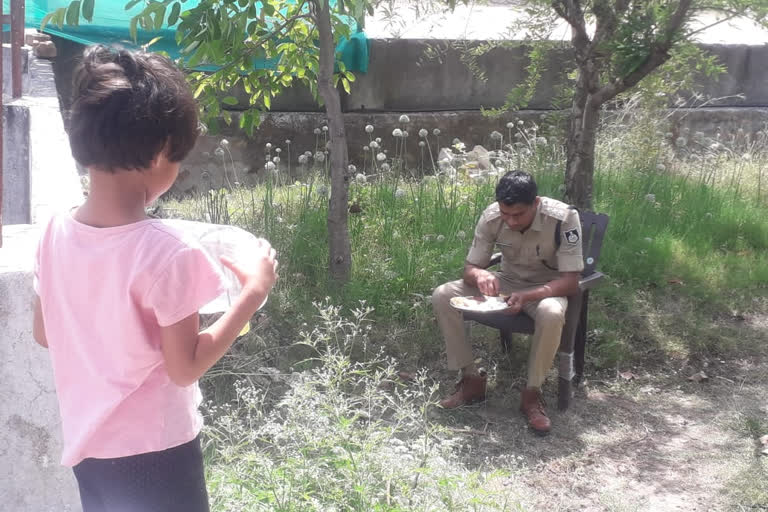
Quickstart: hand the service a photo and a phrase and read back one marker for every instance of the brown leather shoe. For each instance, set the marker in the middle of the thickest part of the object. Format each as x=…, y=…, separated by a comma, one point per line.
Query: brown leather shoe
x=532, y=405
x=470, y=389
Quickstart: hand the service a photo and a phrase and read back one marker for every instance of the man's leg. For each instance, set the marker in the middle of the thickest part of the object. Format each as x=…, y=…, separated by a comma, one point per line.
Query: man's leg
x=471, y=387
x=549, y=317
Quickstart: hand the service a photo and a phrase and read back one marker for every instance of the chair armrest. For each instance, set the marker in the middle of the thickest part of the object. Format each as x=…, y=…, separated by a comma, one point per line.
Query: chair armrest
x=591, y=281
x=495, y=260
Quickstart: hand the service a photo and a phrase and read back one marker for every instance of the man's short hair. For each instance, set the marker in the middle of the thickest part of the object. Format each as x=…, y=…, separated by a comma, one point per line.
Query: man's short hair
x=128, y=107
x=516, y=187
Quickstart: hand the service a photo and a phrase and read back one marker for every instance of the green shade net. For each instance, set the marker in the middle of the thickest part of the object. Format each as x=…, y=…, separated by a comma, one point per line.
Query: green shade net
x=111, y=23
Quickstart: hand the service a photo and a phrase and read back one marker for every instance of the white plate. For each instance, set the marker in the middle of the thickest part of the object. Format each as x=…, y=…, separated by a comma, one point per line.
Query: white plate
x=218, y=240
x=479, y=304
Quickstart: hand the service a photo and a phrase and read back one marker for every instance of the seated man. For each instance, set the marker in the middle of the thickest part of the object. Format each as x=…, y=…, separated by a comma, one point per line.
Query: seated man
x=540, y=242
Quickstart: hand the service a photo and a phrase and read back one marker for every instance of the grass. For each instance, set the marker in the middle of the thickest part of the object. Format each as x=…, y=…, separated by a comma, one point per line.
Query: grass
x=687, y=257
x=687, y=233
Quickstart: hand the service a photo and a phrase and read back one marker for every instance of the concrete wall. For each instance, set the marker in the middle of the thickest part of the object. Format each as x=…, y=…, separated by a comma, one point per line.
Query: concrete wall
x=25, y=58
x=16, y=182
x=43, y=177
x=437, y=93
x=31, y=478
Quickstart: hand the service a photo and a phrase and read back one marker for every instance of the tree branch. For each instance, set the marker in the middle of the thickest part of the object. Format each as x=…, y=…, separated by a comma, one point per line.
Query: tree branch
x=702, y=29
x=658, y=55
x=570, y=11
x=605, y=22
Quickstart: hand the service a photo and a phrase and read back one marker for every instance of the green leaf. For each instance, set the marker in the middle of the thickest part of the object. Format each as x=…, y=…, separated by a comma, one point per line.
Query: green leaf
x=133, y=3
x=88, y=10
x=345, y=84
x=229, y=100
x=52, y=16
x=159, y=17
x=268, y=9
x=199, y=90
x=174, y=16
x=133, y=29
x=73, y=13
x=267, y=101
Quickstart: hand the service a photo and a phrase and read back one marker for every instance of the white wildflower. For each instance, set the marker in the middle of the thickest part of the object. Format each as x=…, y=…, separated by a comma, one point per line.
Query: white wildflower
x=397, y=132
x=219, y=152
x=276, y=159
x=436, y=132
x=510, y=125
x=499, y=163
x=369, y=128
x=270, y=166
x=405, y=133
x=278, y=151
x=399, y=193
x=651, y=198
x=385, y=167
x=381, y=157
x=322, y=190
x=361, y=178
x=423, y=133
x=541, y=141
x=461, y=235
x=405, y=119
x=374, y=144
x=648, y=240
x=316, y=131
x=325, y=128
x=224, y=143
x=422, y=144
x=352, y=169
x=287, y=142
x=440, y=238
x=269, y=146
x=496, y=135
x=320, y=156
x=520, y=122
x=366, y=148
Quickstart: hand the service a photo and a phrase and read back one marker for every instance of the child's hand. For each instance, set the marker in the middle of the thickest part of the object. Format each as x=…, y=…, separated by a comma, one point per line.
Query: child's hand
x=260, y=275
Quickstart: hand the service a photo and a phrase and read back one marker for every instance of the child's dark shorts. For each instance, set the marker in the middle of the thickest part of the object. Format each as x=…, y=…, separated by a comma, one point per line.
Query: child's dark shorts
x=171, y=480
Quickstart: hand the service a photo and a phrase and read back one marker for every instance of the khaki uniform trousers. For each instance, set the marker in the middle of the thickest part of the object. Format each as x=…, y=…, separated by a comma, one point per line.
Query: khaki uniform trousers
x=548, y=315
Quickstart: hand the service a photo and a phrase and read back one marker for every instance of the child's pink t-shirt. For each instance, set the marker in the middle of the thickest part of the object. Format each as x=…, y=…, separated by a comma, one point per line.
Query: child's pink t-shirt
x=105, y=293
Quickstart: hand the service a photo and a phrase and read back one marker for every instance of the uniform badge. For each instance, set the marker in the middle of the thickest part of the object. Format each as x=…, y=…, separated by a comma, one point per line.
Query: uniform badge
x=571, y=236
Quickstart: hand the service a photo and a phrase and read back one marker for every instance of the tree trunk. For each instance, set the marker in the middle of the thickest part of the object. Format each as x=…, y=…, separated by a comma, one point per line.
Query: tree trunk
x=340, y=252
x=580, y=147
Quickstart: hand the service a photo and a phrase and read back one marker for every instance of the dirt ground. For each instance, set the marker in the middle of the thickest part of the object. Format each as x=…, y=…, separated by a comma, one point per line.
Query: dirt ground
x=633, y=442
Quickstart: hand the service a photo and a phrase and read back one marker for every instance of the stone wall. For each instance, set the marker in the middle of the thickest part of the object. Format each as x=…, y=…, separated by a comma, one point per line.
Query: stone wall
x=437, y=93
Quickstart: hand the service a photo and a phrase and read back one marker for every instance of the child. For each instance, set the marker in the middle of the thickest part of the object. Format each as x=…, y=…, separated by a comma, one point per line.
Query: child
x=119, y=294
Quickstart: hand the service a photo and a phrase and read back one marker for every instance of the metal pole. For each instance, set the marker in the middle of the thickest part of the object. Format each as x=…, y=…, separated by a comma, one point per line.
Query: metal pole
x=17, y=41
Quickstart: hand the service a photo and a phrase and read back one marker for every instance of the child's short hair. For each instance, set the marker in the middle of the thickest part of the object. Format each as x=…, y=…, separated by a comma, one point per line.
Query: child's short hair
x=128, y=107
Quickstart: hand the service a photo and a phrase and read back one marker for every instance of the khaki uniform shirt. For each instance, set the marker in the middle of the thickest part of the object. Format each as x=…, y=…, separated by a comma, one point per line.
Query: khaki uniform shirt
x=531, y=257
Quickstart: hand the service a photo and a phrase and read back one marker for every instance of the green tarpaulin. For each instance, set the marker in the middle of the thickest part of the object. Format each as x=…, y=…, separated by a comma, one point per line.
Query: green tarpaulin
x=111, y=22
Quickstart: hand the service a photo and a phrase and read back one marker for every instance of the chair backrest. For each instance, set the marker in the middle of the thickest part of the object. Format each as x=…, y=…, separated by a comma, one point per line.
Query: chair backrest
x=593, y=226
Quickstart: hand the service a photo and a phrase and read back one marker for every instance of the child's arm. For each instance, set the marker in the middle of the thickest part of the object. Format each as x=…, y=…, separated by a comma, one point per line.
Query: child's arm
x=38, y=326
x=188, y=353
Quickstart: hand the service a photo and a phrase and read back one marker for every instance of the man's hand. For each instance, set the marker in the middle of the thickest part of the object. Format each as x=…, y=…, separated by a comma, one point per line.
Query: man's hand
x=487, y=283
x=514, y=303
